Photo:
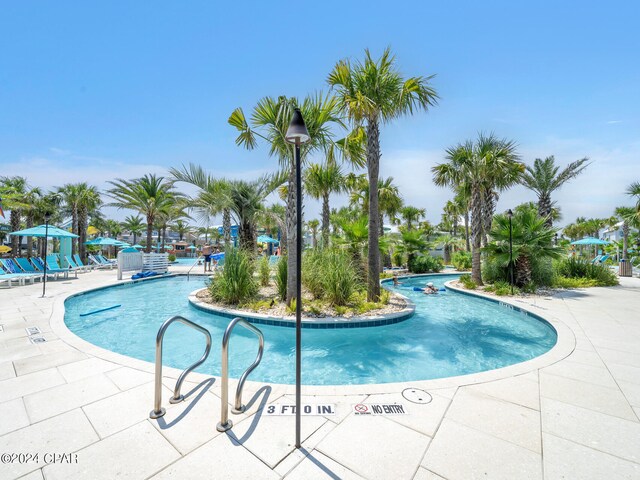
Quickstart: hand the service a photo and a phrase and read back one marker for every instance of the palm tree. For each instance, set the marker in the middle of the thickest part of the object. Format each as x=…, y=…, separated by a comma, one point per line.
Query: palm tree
x=270, y=121
x=150, y=195
x=449, y=243
x=13, y=191
x=370, y=93
x=313, y=226
x=531, y=238
x=628, y=217
x=32, y=197
x=88, y=206
x=412, y=243
x=133, y=225
x=181, y=228
x=634, y=191
x=544, y=178
x=412, y=214
x=321, y=181
x=481, y=168
x=114, y=228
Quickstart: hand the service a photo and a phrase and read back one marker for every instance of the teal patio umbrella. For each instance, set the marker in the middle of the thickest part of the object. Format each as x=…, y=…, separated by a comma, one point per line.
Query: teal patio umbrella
x=267, y=239
x=590, y=241
x=44, y=230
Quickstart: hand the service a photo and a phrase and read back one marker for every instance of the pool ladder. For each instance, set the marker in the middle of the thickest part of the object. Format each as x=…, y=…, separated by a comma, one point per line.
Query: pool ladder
x=224, y=424
x=194, y=264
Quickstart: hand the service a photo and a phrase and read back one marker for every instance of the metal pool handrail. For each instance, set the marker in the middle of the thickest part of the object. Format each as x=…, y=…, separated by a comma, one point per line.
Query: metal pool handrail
x=194, y=264
x=158, y=411
x=225, y=424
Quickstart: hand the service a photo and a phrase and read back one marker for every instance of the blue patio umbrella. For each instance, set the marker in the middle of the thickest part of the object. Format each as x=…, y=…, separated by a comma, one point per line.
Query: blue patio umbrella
x=590, y=241
x=106, y=242
x=267, y=239
x=137, y=246
x=40, y=230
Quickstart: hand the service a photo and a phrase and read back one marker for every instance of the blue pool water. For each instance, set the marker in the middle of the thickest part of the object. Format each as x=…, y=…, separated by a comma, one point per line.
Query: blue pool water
x=450, y=334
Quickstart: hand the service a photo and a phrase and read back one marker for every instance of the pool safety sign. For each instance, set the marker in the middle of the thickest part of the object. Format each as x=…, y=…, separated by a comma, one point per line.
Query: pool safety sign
x=379, y=409
x=308, y=409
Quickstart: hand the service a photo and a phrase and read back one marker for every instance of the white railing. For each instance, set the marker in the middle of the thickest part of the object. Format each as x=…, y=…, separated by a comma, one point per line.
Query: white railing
x=129, y=262
x=155, y=262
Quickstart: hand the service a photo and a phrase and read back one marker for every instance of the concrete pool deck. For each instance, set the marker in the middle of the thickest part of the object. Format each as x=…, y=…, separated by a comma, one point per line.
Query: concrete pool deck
x=573, y=414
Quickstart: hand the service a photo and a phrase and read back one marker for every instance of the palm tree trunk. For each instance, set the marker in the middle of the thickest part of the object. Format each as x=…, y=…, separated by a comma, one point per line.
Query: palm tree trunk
x=523, y=270
x=29, y=239
x=544, y=208
x=625, y=239
x=149, y=234
x=447, y=254
x=476, y=234
x=373, y=169
x=83, y=220
x=15, y=226
x=326, y=212
x=292, y=277
x=466, y=230
x=74, y=229
x=488, y=208
x=226, y=226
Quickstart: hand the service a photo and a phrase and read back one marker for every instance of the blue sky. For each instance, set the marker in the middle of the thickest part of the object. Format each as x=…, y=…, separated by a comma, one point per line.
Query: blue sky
x=91, y=91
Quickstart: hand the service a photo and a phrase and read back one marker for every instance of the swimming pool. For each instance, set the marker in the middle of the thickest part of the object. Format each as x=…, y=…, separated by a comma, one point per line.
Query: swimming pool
x=450, y=334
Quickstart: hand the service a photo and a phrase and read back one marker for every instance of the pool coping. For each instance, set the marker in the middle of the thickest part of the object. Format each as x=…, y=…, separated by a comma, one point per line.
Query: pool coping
x=565, y=344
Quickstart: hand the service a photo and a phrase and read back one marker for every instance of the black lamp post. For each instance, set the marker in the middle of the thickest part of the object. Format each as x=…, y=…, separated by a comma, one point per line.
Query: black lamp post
x=555, y=239
x=510, y=215
x=47, y=216
x=298, y=134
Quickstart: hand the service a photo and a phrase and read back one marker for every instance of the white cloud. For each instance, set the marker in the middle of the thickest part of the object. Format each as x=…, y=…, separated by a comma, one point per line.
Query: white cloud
x=613, y=122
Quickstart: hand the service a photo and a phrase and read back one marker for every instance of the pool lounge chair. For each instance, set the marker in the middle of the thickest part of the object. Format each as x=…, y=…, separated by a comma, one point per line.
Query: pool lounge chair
x=20, y=279
x=27, y=267
x=106, y=261
x=52, y=264
x=73, y=264
x=78, y=260
x=99, y=263
x=14, y=270
x=39, y=264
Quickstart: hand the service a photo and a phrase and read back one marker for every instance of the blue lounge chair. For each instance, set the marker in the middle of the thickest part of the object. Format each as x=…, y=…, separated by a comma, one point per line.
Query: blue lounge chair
x=20, y=279
x=74, y=265
x=99, y=263
x=12, y=268
x=78, y=260
x=52, y=264
x=106, y=261
x=39, y=264
x=28, y=268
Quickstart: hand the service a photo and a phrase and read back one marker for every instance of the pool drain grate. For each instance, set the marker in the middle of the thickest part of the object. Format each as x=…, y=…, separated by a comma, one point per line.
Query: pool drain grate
x=33, y=330
x=37, y=339
x=416, y=395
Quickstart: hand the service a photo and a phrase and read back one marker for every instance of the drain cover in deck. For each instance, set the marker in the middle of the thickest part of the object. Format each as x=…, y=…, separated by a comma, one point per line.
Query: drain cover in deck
x=33, y=330
x=416, y=395
x=37, y=339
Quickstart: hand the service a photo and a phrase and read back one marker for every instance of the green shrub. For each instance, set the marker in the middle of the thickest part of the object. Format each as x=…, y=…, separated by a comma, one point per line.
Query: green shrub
x=341, y=309
x=468, y=282
x=313, y=271
x=425, y=264
x=573, y=267
x=503, y=288
x=235, y=284
x=339, y=277
x=397, y=258
x=493, y=272
x=265, y=271
x=171, y=257
x=461, y=260
x=281, y=278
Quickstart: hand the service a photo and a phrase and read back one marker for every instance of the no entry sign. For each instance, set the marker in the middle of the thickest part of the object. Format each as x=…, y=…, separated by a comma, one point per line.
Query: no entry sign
x=379, y=409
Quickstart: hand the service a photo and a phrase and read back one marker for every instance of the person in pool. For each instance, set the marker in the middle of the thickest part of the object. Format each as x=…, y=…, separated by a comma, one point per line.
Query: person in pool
x=395, y=279
x=430, y=289
x=206, y=251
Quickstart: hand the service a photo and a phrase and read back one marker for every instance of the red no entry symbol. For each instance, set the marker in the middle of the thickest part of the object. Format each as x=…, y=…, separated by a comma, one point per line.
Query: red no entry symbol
x=360, y=408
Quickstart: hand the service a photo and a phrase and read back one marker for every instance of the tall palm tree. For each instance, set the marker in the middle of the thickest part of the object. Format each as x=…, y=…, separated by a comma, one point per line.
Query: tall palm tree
x=451, y=213
x=628, y=217
x=321, y=180
x=462, y=201
x=181, y=227
x=149, y=195
x=13, y=191
x=634, y=191
x=481, y=167
x=545, y=177
x=269, y=121
x=530, y=238
x=133, y=225
x=88, y=208
x=32, y=198
x=313, y=226
x=412, y=214
x=370, y=93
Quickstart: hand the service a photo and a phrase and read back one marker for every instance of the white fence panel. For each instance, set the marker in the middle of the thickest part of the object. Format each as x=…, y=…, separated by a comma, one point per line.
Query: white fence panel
x=155, y=262
x=129, y=262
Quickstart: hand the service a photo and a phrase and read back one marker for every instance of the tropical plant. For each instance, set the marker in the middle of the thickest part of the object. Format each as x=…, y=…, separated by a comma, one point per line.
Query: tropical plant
x=321, y=180
x=628, y=217
x=482, y=168
x=133, y=225
x=370, y=93
x=13, y=191
x=461, y=260
x=634, y=191
x=412, y=243
x=150, y=195
x=340, y=277
x=235, y=284
x=545, y=177
x=531, y=238
x=449, y=244
x=424, y=263
x=88, y=206
x=412, y=215
x=281, y=277
x=574, y=267
x=264, y=271
x=313, y=226
x=270, y=121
